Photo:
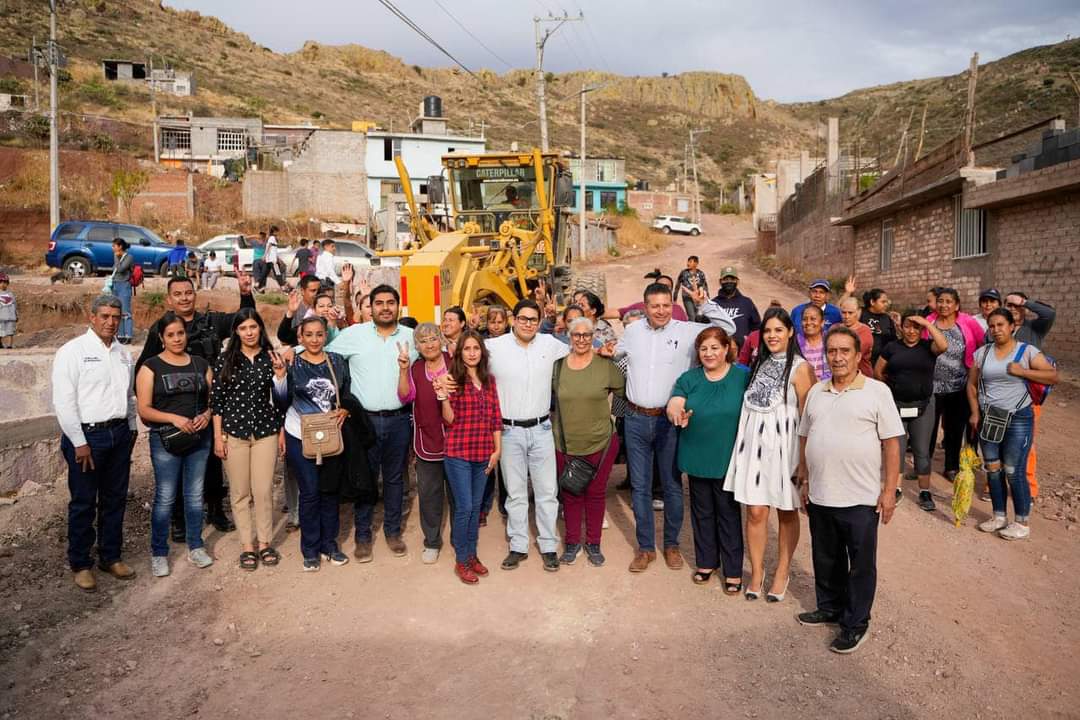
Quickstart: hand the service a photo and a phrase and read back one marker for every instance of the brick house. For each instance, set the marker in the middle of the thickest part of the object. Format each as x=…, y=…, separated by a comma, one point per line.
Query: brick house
x=945, y=221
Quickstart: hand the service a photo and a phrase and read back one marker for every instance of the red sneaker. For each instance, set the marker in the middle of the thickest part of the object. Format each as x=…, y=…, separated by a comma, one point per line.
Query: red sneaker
x=477, y=566
x=465, y=574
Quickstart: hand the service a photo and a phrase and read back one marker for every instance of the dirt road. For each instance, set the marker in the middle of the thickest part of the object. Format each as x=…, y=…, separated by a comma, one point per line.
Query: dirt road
x=965, y=625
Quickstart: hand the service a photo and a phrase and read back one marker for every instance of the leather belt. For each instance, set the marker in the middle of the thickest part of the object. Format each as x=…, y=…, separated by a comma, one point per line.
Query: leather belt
x=525, y=423
x=104, y=424
x=651, y=412
x=403, y=410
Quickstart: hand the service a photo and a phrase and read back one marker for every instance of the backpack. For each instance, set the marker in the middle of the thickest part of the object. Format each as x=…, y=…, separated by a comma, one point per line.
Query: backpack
x=1038, y=391
x=136, y=276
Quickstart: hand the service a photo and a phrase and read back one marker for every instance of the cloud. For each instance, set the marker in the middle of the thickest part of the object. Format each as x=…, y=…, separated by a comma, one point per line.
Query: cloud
x=787, y=50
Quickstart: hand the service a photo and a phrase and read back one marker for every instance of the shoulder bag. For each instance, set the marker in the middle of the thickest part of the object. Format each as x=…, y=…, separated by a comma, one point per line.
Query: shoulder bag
x=995, y=420
x=176, y=441
x=577, y=471
x=320, y=433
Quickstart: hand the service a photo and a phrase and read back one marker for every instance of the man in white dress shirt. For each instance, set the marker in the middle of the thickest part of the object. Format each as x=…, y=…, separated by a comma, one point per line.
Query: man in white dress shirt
x=94, y=399
x=324, y=265
x=657, y=353
x=522, y=362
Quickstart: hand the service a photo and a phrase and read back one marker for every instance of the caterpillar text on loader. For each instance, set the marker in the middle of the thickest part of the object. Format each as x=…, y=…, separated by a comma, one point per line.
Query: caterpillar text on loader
x=508, y=223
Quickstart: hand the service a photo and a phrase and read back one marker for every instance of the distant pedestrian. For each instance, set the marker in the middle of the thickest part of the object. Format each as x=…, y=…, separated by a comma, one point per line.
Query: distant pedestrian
x=93, y=395
x=177, y=259
x=120, y=286
x=741, y=308
x=258, y=261
x=474, y=431
x=304, y=265
x=951, y=409
x=876, y=316
x=849, y=434
x=213, y=267
x=690, y=280
x=325, y=269
x=998, y=395
x=762, y=469
x=173, y=392
x=9, y=314
x=705, y=406
x=819, y=292
x=907, y=367
x=272, y=260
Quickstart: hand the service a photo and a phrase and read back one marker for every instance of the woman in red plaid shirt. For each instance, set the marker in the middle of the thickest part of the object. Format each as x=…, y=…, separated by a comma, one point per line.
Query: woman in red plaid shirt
x=470, y=408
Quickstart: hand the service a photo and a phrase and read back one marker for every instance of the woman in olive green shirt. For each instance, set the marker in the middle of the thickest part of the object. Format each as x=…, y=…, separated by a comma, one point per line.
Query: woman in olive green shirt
x=582, y=383
x=705, y=406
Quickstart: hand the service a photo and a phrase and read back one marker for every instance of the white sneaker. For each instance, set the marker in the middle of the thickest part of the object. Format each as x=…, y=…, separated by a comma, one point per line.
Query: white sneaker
x=604, y=525
x=1015, y=531
x=159, y=566
x=658, y=504
x=200, y=558
x=430, y=556
x=993, y=524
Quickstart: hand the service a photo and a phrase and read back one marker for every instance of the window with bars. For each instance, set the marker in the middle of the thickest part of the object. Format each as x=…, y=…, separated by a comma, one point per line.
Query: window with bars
x=888, y=241
x=230, y=140
x=605, y=171
x=970, y=224
x=175, y=139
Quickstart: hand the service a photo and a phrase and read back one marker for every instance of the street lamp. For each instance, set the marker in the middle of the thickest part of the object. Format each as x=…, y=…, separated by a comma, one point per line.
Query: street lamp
x=585, y=89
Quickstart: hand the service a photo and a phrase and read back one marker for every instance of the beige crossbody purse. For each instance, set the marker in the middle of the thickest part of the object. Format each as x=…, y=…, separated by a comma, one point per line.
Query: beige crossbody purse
x=320, y=433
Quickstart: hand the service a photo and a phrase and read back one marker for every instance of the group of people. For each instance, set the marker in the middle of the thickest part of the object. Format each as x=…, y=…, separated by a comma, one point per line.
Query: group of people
x=802, y=411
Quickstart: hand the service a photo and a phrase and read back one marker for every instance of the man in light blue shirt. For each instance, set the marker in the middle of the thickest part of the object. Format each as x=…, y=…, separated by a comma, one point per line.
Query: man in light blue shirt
x=372, y=349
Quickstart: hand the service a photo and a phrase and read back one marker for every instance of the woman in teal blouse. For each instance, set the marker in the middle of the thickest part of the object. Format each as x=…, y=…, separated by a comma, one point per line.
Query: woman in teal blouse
x=705, y=406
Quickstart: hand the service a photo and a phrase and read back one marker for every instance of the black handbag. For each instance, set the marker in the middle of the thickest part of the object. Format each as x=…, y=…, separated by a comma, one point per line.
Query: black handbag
x=176, y=441
x=995, y=420
x=577, y=472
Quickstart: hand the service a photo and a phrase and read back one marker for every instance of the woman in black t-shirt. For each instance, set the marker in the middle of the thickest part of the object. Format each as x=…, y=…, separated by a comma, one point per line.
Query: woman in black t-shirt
x=172, y=390
x=907, y=367
x=877, y=317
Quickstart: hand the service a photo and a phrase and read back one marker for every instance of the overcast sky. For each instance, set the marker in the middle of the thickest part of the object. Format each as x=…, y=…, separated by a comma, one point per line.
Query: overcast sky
x=787, y=49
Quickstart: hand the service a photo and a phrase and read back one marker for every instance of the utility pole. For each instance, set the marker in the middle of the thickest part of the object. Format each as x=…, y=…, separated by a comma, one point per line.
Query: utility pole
x=154, y=115
x=693, y=165
x=54, y=120
x=34, y=60
x=583, y=225
x=541, y=40
x=1076, y=88
x=969, y=113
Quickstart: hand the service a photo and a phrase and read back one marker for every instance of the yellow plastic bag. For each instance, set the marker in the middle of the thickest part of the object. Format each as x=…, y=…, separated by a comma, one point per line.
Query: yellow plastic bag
x=964, y=484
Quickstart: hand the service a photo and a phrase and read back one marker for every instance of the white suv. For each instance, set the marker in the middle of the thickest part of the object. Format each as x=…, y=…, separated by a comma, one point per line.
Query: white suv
x=674, y=223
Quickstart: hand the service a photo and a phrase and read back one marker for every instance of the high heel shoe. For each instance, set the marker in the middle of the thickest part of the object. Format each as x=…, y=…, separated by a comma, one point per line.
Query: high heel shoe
x=754, y=594
x=778, y=597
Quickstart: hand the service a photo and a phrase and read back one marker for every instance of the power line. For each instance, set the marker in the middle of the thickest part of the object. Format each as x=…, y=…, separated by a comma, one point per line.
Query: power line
x=405, y=19
x=469, y=33
x=596, y=46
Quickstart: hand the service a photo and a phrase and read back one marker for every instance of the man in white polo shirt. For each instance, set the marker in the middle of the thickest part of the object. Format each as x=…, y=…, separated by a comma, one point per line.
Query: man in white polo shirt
x=94, y=399
x=849, y=424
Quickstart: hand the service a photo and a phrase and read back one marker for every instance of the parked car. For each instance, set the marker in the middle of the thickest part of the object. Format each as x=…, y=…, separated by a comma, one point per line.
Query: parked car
x=348, y=251
x=236, y=250
x=675, y=223
x=84, y=247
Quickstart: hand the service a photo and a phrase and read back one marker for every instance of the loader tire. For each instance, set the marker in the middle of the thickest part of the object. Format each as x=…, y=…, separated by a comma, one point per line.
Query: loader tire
x=591, y=280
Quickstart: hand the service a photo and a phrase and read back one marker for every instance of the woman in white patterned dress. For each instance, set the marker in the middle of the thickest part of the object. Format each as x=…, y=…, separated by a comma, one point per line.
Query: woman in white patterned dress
x=766, y=453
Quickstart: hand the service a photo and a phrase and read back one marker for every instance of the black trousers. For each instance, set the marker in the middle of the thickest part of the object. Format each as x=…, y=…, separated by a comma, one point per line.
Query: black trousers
x=431, y=489
x=716, y=517
x=951, y=412
x=844, y=547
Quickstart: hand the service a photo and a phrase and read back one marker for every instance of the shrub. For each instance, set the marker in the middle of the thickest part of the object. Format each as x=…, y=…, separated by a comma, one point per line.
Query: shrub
x=154, y=299
x=729, y=209
x=11, y=85
x=126, y=184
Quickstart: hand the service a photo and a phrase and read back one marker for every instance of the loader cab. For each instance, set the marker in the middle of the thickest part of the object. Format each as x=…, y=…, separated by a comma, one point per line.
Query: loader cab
x=489, y=190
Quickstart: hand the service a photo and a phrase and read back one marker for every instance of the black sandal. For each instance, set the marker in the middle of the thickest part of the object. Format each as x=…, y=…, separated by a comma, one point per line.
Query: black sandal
x=269, y=556
x=249, y=561
x=703, y=576
x=731, y=588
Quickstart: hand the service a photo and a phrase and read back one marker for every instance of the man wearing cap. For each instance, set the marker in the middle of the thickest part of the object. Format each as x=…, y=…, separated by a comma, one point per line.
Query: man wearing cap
x=741, y=308
x=819, y=295
x=989, y=301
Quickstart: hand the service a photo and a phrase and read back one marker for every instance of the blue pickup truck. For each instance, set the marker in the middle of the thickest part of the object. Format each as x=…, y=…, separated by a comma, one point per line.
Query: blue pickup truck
x=85, y=247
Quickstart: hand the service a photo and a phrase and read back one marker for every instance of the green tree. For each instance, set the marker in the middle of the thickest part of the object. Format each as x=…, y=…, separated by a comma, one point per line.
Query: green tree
x=126, y=184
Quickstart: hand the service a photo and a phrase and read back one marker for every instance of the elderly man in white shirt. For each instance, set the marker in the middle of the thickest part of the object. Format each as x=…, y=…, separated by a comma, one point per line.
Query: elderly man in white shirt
x=94, y=400
x=657, y=352
x=324, y=265
x=522, y=362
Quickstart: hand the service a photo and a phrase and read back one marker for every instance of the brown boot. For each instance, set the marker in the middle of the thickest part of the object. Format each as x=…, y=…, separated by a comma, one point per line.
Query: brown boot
x=673, y=557
x=362, y=553
x=85, y=580
x=396, y=545
x=119, y=570
x=641, y=560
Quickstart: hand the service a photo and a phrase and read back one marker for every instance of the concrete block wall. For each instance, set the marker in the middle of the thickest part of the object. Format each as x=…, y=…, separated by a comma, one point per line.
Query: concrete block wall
x=168, y=196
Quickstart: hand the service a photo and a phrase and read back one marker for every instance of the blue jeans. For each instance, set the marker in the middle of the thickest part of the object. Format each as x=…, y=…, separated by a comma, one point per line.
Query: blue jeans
x=1011, y=454
x=393, y=435
x=100, y=492
x=122, y=291
x=528, y=456
x=466, y=480
x=319, y=520
x=171, y=472
x=647, y=436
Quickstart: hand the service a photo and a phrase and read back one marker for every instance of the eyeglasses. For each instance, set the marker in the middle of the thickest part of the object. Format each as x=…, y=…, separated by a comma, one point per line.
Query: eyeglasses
x=581, y=336
x=526, y=320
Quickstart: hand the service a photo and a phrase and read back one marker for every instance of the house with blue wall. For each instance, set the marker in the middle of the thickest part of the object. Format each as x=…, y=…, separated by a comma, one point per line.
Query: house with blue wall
x=603, y=180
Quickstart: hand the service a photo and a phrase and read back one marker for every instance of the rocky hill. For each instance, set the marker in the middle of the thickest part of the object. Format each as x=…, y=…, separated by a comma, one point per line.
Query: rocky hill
x=644, y=119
